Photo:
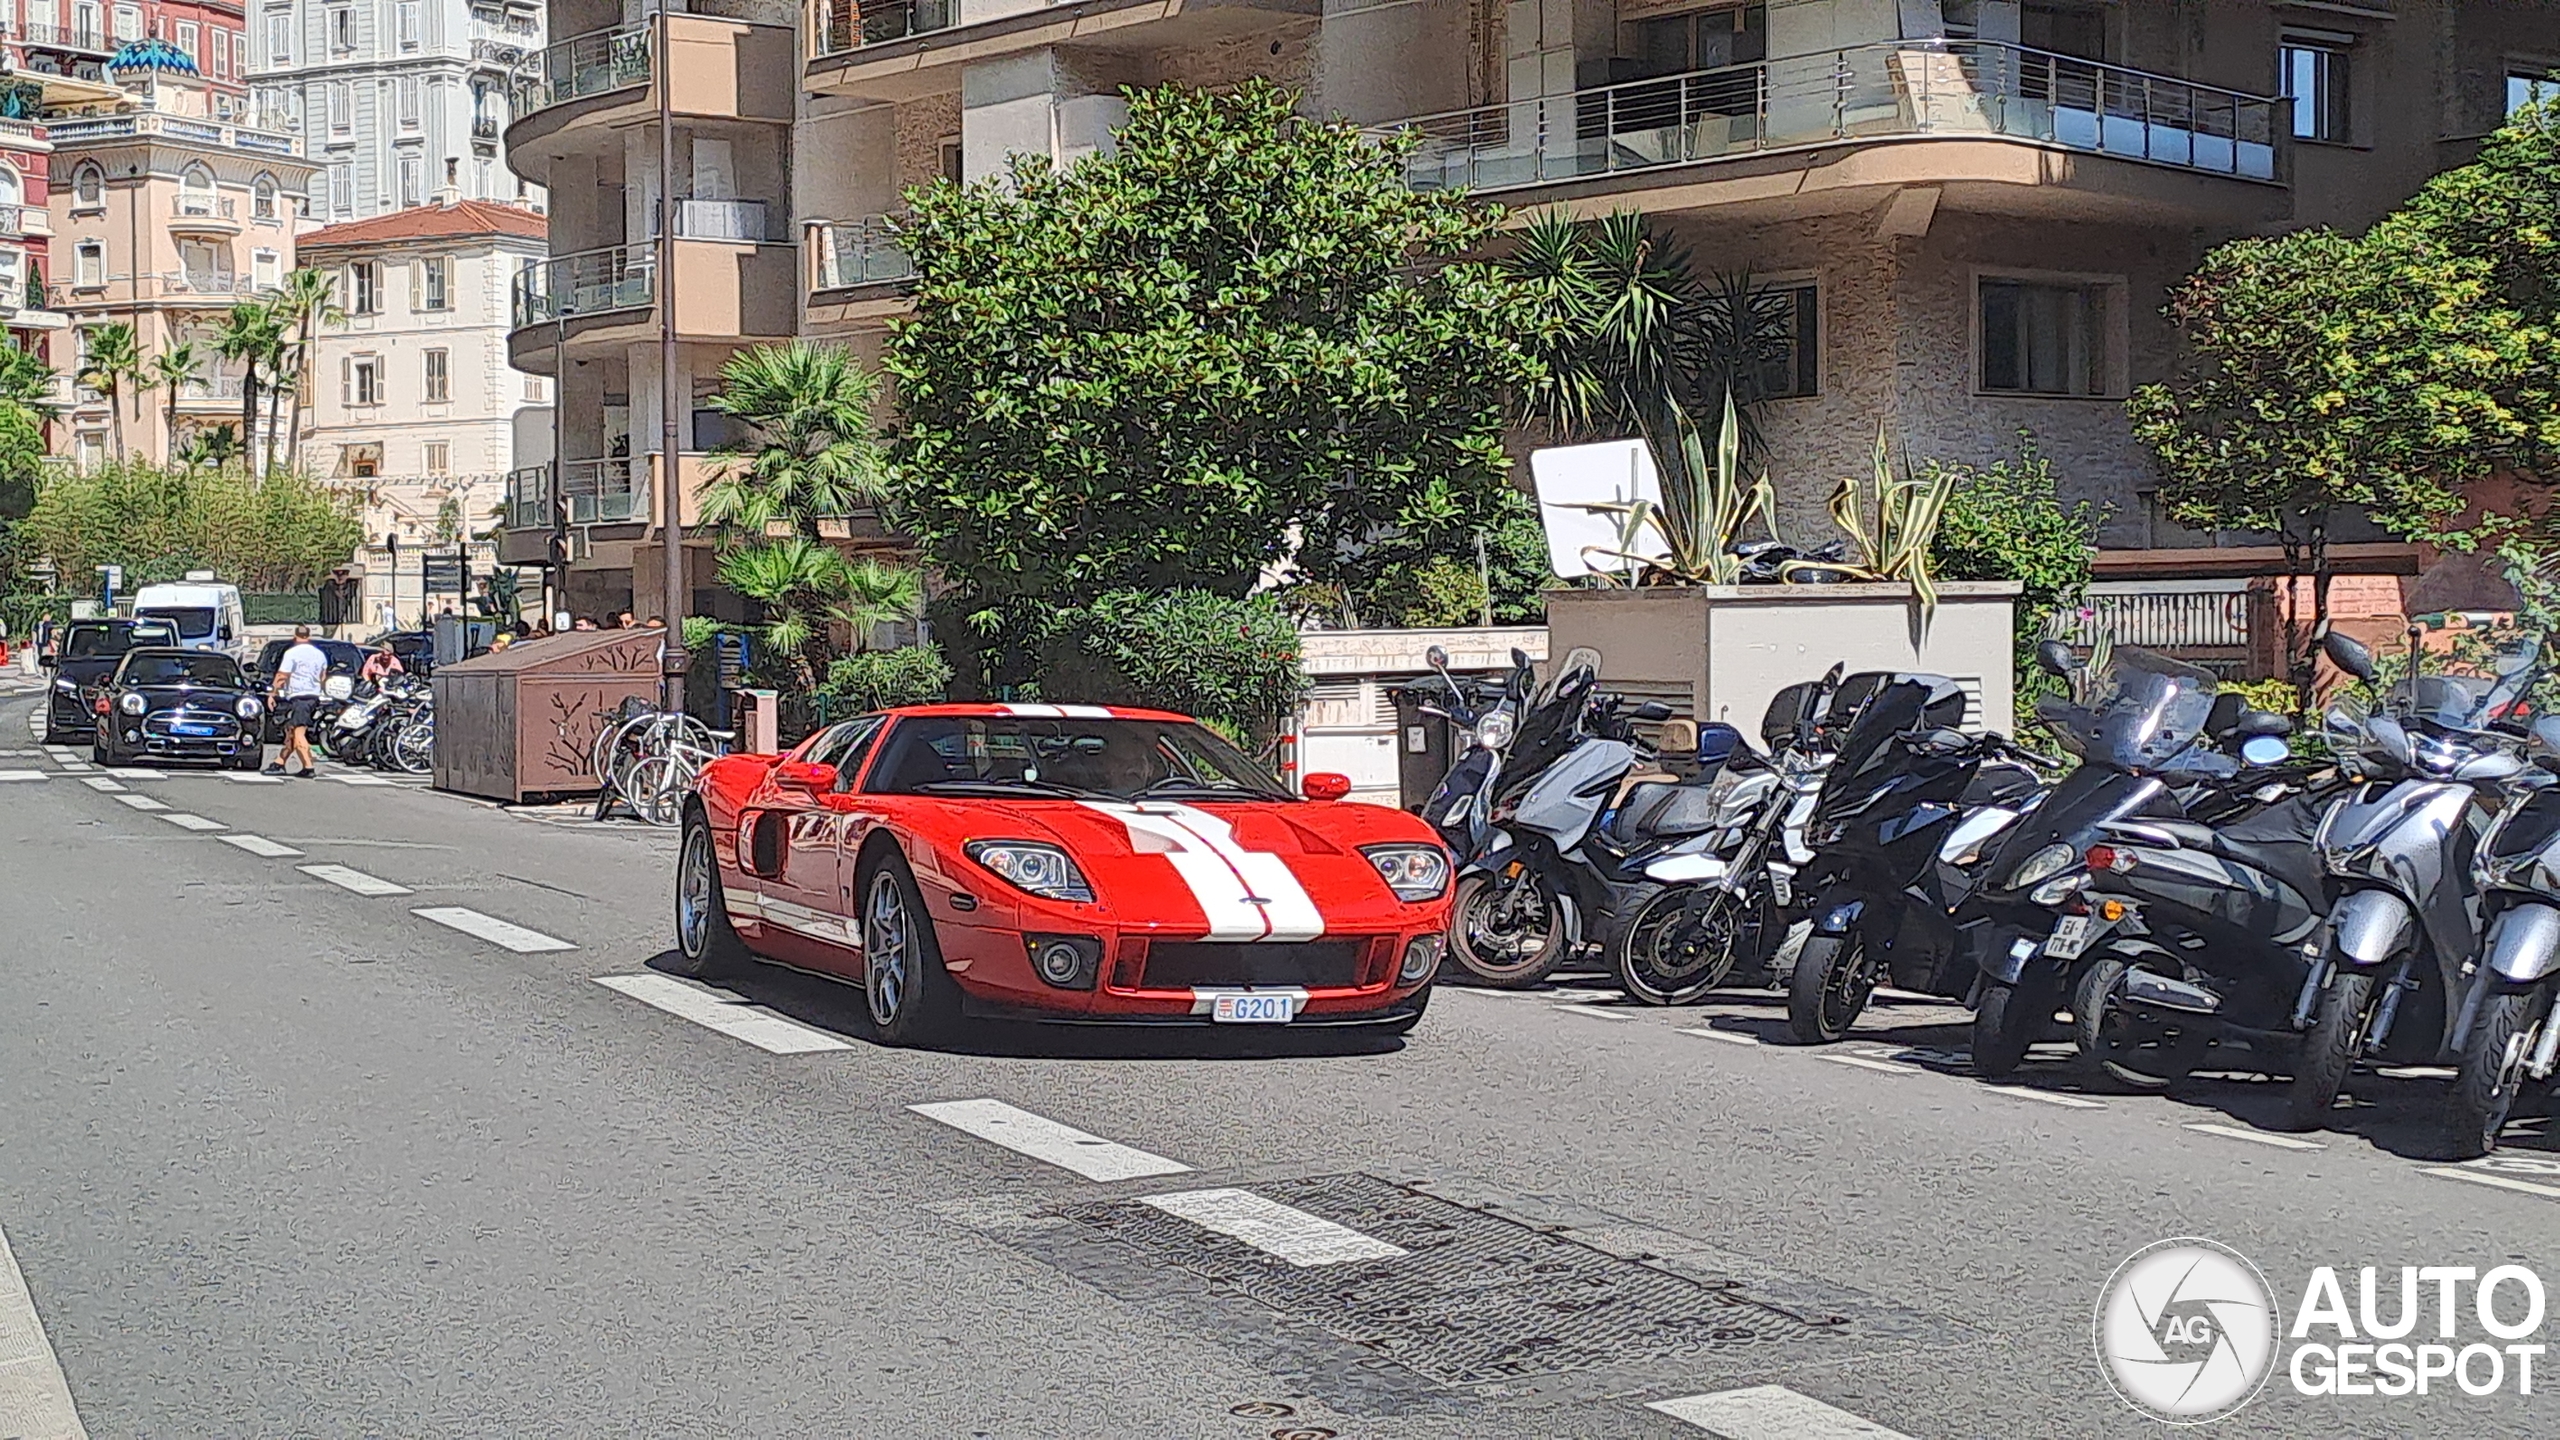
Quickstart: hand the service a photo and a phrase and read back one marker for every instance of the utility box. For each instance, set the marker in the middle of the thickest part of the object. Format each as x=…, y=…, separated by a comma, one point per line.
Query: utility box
x=521, y=723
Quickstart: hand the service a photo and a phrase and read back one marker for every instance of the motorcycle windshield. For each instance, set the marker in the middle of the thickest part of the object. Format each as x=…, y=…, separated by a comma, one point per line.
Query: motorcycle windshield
x=2142, y=712
x=1550, y=728
x=1898, y=705
x=2451, y=702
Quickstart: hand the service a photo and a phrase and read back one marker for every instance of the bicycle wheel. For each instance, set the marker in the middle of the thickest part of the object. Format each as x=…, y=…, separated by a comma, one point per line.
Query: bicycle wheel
x=414, y=752
x=656, y=792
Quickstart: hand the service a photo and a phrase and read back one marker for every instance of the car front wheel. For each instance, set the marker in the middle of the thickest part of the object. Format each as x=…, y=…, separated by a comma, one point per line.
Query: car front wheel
x=912, y=998
x=708, y=944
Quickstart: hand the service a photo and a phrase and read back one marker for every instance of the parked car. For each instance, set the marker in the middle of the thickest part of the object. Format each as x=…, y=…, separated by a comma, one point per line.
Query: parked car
x=90, y=652
x=207, y=612
x=345, y=660
x=178, y=704
x=1062, y=862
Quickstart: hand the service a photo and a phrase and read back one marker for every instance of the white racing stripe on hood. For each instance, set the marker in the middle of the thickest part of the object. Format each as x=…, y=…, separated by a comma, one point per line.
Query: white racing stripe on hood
x=1246, y=894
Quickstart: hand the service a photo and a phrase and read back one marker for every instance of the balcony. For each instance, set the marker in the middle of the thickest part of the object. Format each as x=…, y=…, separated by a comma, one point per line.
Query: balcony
x=739, y=221
x=905, y=49
x=90, y=129
x=19, y=221
x=726, y=291
x=82, y=39
x=2015, y=105
x=217, y=394
x=592, y=282
x=860, y=252
x=724, y=69
x=599, y=492
x=204, y=215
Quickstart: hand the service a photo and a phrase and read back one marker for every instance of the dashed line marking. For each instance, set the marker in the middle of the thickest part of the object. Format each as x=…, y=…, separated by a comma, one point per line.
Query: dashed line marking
x=9, y=775
x=1730, y=1037
x=359, y=882
x=1887, y=1067
x=1771, y=1412
x=140, y=802
x=102, y=784
x=1273, y=1228
x=136, y=772
x=260, y=845
x=728, y=1014
x=185, y=821
x=2484, y=1177
x=1594, y=1011
x=244, y=777
x=2254, y=1137
x=492, y=929
x=2046, y=1097
x=1047, y=1141
x=359, y=779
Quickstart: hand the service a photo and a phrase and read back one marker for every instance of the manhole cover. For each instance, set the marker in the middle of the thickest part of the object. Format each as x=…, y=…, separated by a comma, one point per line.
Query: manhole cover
x=1477, y=1299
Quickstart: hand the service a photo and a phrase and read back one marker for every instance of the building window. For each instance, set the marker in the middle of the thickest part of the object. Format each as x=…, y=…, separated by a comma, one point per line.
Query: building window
x=2079, y=31
x=360, y=381
x=342, y=189
x=342, y=108
x=342, y=29
x=264, y=269
x=435, y=283
x=280, y=39
x=533, y=388
x=1707, y=40
x=221, y=53
x=13, y=192
x=2315, y=80
x=408, y=21
x=89, y=188
x=89, y=265
x=195, y=191
x=439, y=453
x=2531, y=85
x=187, y=40
x=364, y=288
x=128, y=22
x=1798, y=372
x=262, y=198
x=2044, y=339
x=954, y=167
x=439, y=376
x=413, y=182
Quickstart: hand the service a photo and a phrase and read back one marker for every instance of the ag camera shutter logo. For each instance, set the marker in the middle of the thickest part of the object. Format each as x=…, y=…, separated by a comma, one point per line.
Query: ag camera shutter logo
x=2186, y=1331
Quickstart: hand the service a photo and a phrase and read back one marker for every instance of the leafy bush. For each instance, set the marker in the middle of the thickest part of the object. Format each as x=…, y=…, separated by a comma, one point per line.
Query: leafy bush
x=2006, y=521
x=2271, y=695
x=289, y=608
x=282, y=532
x=879, y=679
x=1213, y=656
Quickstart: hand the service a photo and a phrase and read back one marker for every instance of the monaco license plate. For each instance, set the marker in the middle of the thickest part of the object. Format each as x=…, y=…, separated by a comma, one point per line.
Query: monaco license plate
x=1250, y=1010
x=2071, y=935
x=194, y=728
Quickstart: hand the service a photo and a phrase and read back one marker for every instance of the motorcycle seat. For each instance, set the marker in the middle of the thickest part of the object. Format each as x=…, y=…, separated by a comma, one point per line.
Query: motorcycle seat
x=2276, y=840
x=1657, y=809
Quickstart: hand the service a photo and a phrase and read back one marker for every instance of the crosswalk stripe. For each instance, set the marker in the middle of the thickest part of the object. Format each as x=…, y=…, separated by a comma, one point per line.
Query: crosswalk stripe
x=2046, y=1097
x=35, y=1401
x=728, y=1014
x=1862, y=1062
x=1273, y=1228
x=243, y=777
x=358, y=779
x=185, y=821
x=102, y=784
x=260, y=845
x=1771, y=1412
x=1048, y=1141
x=2483, y=1177
x=140, y=802
x=9, y=775
x=356, y=880
x=136, y=772
x=1594, y=1011
x=1730, y=1037
x=492, y=929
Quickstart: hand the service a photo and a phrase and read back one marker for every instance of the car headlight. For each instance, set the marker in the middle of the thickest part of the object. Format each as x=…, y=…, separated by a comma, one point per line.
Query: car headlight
x=248, y=708
x=1495, y=730
x=338, y=687
x=1028, y=865
x=132, y=703
x=1414, y=872
x=2046, y=863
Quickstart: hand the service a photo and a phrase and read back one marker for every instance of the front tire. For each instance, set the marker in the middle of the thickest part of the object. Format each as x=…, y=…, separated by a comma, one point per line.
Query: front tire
x=2493, y=1060
x=708, y=945
x=911, y=996
x=1508, y=940
x=2329, y=1052
x=2007, y=1020
x=1669, y=954
x=1829, y=990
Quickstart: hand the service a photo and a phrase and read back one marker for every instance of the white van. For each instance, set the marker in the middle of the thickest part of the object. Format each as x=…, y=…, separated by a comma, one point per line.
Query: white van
x=207, y=613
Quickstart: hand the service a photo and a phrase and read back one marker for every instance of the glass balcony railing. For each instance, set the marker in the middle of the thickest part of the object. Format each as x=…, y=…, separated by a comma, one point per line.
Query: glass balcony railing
x=747, y=220
x=1916, y=88
x=859, y=252
x=620, y=277
x=845, y=25
x=589, y=64
x=598, y=492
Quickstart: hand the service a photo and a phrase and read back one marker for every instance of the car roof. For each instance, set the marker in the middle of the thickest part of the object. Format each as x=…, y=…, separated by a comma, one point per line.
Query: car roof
x=172, y=650
x=113, y=622
x=1028, y=711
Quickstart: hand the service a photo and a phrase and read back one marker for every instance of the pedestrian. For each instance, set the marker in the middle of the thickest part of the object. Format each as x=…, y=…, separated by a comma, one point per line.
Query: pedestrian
x=623, y=621
x=500, y=641
x=585, y=624
x=296, y=687
x=382, y=664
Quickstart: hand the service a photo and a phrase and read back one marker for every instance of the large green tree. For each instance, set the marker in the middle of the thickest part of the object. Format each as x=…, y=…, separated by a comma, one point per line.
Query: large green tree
x=282, y=531
x=1237, y=341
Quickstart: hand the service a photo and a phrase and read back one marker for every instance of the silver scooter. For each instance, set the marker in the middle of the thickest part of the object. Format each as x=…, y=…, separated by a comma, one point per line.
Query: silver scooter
x=2506, y=1033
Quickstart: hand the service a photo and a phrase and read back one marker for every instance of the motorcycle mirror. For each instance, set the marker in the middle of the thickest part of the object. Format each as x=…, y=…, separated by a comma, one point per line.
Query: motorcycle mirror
x=1652, y=710
x=2347, y=655
x=1436, y=658
x=2265, y=750
x=1519, y=658
x=2057, y=658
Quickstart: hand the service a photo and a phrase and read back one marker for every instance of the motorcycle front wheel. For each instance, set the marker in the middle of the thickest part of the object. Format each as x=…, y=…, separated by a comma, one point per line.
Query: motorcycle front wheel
x=1674, y=951
x=2007, y=1020
x=2329, y=1052
x=2484, y=1091
x=1506, y=931
x=1829, y=990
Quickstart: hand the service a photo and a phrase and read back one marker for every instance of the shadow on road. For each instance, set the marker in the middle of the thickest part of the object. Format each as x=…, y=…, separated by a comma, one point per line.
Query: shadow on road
x=836, y=1007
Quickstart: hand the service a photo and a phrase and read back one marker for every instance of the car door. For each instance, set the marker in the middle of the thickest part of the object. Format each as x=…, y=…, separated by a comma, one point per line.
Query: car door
x=804, y=897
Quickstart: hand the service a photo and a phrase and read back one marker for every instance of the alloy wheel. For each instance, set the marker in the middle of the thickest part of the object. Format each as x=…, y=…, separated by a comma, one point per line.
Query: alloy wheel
x=888, y=949
x=693, y=893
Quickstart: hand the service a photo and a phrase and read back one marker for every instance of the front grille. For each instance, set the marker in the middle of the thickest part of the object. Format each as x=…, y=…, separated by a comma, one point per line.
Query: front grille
x=163, y=725
x=1179, y=964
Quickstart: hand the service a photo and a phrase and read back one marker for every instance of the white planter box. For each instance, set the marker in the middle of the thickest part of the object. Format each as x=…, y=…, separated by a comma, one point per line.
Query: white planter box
x=1719, y=652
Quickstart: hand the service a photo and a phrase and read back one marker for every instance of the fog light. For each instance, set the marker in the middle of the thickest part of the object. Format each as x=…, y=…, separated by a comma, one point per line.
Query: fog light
x=1066, y=961
x=1058, y=962
x=1421, y=957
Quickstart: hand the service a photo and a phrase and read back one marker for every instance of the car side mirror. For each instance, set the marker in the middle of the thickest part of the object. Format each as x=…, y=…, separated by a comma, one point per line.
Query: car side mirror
x=805, y=775
x=2057, y=658
x=1325, y=785
x=2264, y=723
x=2345, y=653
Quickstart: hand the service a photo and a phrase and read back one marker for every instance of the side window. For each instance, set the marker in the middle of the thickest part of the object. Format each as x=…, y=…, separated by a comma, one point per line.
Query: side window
x=834, y=745
x=859, y=751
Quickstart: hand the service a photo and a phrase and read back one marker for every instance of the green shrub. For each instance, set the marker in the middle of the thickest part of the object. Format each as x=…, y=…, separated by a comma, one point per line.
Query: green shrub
x=880, y=679
x=1223, y=659
x=2006, y=521
x=2276, y=696
x=263, y=608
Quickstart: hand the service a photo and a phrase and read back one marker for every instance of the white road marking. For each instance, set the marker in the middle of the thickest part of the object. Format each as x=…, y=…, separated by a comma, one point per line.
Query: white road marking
x=2416, y=1072
x=8, y=775
x=75, y=767
x=260, y=845
x=1771, y=1412
x=726, y=1013
x=1048, y=1141
x=185, y=821
x=2254, y=1137
x=1730, y=1037
x=1862, y=1062
x=493, y=930
x=2047, y=1097
x=140, y=802
x=358, y=881
x=102, y=784
x=2484, y=1177
x=136, y=772
x=35, y=1402
x=358, y=779
x=1594, y=1011
x=1273, y=1228
x=244, y=777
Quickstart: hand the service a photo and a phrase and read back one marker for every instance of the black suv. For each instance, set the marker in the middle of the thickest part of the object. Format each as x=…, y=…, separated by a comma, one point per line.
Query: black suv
x=89, y=653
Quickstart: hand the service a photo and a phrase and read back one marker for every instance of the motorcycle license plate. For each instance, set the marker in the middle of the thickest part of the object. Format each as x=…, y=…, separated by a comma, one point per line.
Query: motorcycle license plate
x=1251, y=1010
x=2071, y=935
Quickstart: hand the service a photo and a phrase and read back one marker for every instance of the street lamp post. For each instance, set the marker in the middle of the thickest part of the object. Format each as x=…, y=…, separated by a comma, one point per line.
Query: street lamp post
x=673, y=602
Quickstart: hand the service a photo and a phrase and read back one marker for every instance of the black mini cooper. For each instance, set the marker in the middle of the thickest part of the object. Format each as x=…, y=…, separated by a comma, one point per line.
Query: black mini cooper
x=171, y=704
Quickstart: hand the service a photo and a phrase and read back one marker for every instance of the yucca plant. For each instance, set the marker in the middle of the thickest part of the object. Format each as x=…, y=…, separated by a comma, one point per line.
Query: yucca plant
x=1704, y=506
x=1893, y=530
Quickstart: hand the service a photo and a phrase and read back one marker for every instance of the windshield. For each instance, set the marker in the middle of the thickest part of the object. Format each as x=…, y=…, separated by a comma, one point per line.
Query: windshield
x=1895, y=705
x=1101, y=759
x=2141, y=712
x=187, y=669
x=91, y=642
x=193, y=622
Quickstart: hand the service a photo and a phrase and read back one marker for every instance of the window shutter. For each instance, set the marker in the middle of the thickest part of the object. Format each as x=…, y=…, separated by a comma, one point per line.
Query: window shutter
x=418, y=285
x=346, y=381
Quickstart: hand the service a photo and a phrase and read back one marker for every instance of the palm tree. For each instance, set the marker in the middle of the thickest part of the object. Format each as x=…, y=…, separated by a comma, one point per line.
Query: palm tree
x=111, y=367
x=249, y=336
x=173, y=368
x=308, y=302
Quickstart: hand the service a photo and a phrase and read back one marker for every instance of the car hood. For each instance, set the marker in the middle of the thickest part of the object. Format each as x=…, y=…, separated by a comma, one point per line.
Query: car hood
x=205, y=697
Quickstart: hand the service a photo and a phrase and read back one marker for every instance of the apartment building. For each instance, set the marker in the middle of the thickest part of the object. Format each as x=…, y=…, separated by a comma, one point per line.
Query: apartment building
x=30, y=310
x=1973, y=208
x=400, y=100
x=169, y=204
x=77, y=38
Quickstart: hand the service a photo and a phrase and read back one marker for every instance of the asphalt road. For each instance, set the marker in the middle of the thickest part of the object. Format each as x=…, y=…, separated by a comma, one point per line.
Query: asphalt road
x=282, y=1156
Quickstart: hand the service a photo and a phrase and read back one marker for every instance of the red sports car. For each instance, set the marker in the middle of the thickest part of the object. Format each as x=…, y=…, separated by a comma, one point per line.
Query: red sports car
x=1059, y=862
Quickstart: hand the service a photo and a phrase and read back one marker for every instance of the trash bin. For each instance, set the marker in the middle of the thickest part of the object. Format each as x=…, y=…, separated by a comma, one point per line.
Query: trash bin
x=521, y=723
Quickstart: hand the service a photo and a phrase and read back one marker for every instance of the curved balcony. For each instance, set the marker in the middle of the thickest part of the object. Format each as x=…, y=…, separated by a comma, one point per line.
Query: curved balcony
x=1977, y=117
x=204, y=215
x=727, y=290
x=860, y=273
x=583, y=87
x=903, y=49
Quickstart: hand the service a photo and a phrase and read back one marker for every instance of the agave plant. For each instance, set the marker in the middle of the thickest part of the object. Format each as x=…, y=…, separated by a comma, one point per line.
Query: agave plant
x=1893, y=528
x=1703, y=508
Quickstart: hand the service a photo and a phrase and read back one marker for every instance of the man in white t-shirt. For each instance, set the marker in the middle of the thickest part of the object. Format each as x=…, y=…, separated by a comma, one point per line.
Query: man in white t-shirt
x=296, y=687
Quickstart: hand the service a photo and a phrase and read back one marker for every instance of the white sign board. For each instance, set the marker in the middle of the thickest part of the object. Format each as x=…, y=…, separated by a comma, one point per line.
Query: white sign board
x=1571, y=479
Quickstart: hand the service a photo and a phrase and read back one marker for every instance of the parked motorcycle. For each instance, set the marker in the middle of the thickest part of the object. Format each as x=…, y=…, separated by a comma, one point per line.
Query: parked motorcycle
x=2399, y=849
x=1461, y=807
x=2507, y=1034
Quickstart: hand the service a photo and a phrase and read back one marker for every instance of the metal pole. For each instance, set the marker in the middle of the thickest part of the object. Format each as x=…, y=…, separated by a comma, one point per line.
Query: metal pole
x=556, y=550
x=677, y=597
